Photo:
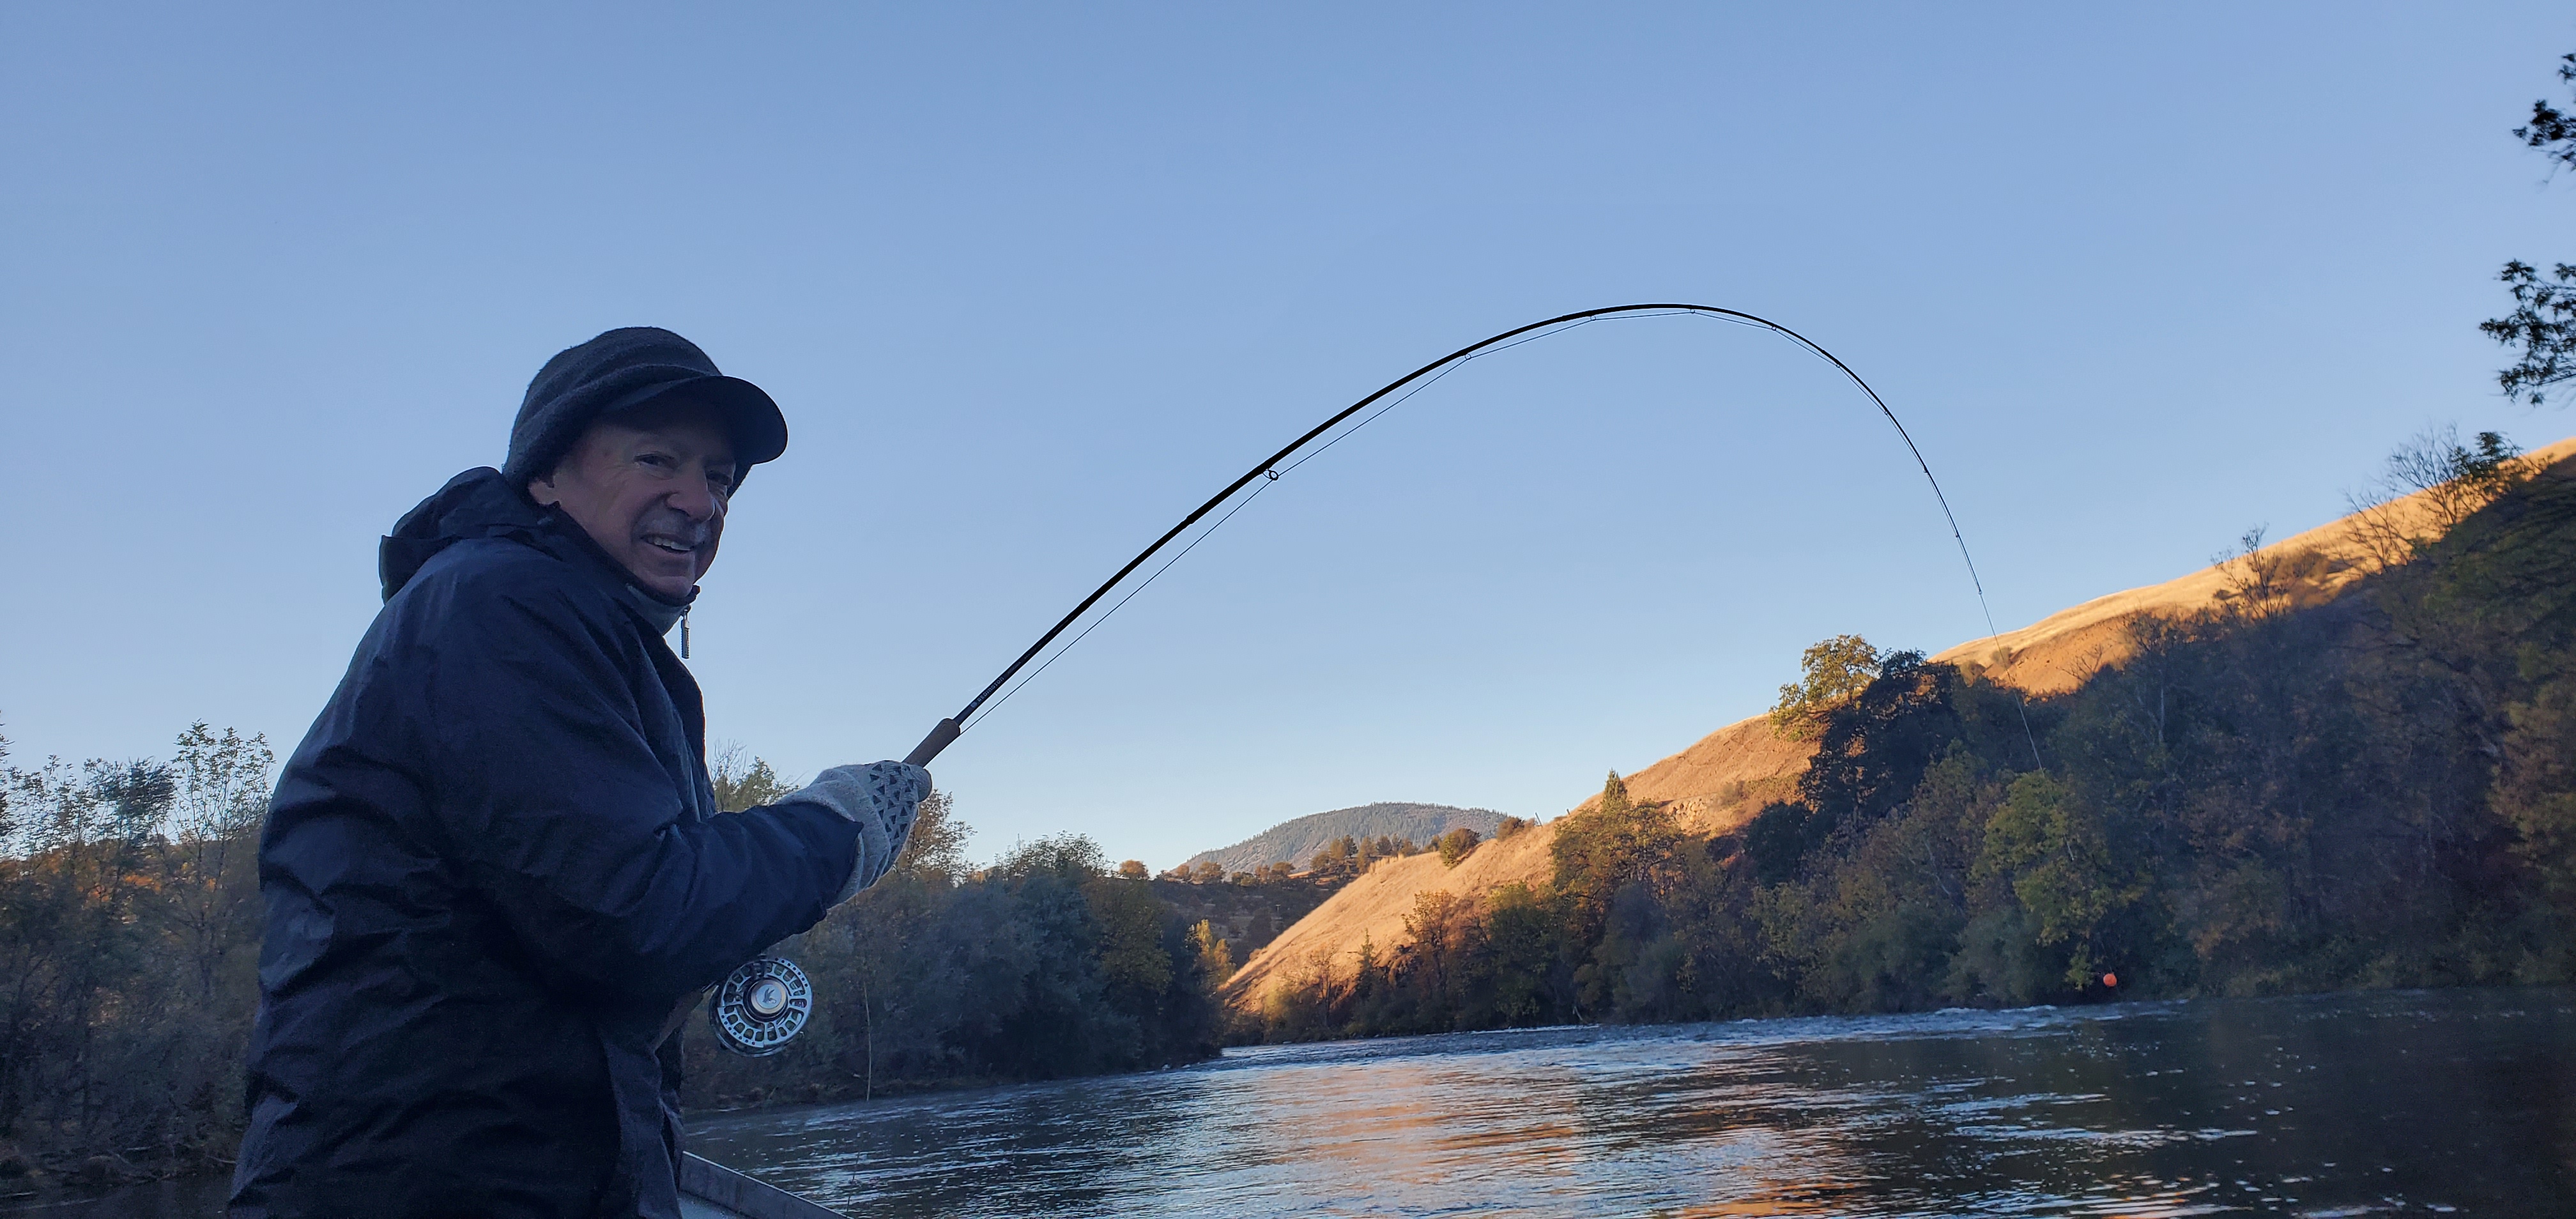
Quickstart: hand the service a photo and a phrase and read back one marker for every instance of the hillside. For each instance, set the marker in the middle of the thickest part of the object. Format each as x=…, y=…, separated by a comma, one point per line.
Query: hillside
x=1247, y=917
x=1295, y=842
x=2056, y=653
x=1720, y=781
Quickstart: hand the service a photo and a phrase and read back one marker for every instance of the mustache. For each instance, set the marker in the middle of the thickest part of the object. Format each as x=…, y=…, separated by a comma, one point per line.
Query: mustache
x=675, y=525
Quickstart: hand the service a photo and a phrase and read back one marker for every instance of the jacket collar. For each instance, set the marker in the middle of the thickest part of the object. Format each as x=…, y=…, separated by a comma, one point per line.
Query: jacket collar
x=480, y=504
x=564, y=538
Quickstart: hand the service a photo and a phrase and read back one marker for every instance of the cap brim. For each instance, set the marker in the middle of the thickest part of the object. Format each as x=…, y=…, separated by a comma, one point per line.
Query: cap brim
x=758, y=429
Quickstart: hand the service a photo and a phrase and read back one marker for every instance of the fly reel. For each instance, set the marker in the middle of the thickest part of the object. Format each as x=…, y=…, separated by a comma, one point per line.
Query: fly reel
x=761, y=1006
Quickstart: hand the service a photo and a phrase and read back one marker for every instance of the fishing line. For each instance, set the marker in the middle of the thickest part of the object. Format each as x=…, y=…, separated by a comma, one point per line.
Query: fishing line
x=2021, y=700
x=1120, y=603
x=1273, y=476
x=1270, y=471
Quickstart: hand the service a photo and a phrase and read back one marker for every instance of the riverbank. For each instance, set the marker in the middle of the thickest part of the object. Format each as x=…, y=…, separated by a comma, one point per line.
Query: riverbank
x=197, y=1195
x=25, y=1177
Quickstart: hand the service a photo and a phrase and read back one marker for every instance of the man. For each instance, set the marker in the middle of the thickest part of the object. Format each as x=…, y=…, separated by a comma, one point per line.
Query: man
x=495, y=868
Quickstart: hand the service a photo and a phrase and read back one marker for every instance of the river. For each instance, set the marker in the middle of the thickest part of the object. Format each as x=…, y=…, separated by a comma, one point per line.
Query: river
x=2407, y=1102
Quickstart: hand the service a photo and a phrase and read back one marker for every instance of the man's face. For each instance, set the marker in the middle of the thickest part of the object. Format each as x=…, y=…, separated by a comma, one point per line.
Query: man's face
x=650, y=487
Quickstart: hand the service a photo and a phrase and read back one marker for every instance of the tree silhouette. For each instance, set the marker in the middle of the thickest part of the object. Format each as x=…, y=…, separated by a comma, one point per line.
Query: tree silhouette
x=2543, y=322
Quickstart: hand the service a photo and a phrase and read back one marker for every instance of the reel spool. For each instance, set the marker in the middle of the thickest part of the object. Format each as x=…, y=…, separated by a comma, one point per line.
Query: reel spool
x=761, y=1006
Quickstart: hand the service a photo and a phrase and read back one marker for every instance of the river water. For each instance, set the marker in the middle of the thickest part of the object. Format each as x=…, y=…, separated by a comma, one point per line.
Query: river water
x=2381, y=1103
x=2360, y=1104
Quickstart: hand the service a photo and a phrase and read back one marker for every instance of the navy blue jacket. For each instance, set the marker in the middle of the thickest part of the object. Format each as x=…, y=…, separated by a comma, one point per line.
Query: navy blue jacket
x=491, y=870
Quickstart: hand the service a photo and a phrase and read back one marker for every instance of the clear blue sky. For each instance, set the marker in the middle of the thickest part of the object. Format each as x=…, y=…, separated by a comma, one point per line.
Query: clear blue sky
x=1030, y=282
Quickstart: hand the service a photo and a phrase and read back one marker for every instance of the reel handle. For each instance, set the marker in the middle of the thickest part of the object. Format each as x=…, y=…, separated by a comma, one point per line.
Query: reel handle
x=940, y=738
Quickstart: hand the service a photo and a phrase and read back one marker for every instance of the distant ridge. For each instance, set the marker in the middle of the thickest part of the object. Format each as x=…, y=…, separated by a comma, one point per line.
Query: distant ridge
x=1295, y=842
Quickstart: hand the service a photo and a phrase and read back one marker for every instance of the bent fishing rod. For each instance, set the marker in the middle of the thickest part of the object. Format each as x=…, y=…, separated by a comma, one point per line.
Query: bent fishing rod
x=948, y=730
x=766, y=1002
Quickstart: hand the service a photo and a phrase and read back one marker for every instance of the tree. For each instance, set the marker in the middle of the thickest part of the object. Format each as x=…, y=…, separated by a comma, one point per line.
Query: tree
x=1341, y=855
x=222, y=792
x=1132, y=869
x=1455, y=844
x=85, y=1021
x=1128, y=923
x=1216, y=959
x=1873, y=746
x=1616, y=843
x=2061, y=865
x=936, y=851
x=2257, y=579
x=2536, y=794
x=741, y=785
x=1522, y=974
x=1831, y=672
x=1438, y=936
x=2442, y=482
x=2543, y=321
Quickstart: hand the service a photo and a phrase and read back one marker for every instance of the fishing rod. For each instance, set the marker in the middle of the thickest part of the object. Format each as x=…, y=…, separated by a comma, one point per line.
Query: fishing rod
x=946, y=732
x=765, y=1003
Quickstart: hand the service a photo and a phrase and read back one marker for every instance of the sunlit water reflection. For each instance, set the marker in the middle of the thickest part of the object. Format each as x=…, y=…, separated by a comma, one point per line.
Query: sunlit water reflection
x=2334, y=1105
x=2343, y=1105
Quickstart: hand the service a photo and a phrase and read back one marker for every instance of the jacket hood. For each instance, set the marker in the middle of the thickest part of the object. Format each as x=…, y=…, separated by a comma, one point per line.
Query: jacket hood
x=480, y=503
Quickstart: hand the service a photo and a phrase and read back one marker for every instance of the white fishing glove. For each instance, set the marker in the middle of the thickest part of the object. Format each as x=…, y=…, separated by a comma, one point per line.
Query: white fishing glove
x=882, y=799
